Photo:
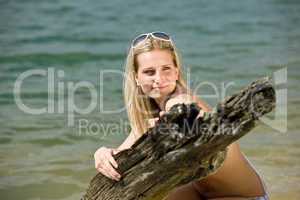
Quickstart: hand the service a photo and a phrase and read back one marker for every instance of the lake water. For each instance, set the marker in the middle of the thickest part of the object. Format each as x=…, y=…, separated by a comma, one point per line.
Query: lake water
x=48, y=156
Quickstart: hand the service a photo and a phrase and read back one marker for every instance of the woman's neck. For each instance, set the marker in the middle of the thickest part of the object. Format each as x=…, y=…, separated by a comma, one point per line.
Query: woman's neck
x=161, y=102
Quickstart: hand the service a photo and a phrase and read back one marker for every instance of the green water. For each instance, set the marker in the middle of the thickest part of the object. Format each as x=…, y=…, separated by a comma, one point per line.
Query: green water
x=41, y=157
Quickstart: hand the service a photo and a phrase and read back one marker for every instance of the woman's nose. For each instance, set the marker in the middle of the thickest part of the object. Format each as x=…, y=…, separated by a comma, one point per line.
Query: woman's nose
x=157, y=77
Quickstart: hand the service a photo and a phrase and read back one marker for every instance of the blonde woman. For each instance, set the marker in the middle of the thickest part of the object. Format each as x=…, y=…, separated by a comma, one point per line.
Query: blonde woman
x=153, y=83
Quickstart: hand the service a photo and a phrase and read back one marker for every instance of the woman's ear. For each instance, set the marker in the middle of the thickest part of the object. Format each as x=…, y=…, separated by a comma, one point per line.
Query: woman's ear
x=177, y=74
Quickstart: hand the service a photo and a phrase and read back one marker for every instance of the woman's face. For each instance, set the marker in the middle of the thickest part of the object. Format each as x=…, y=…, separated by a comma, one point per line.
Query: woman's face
x=157, y=73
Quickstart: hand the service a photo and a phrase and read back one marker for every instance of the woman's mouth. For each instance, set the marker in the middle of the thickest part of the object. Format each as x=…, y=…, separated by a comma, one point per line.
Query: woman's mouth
x=160, y=87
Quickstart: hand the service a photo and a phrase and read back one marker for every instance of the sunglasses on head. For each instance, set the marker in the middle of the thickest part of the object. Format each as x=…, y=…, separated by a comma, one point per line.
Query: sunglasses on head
x=156, y=35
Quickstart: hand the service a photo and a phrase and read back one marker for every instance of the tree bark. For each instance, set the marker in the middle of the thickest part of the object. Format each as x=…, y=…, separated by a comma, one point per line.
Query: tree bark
x=182, y=148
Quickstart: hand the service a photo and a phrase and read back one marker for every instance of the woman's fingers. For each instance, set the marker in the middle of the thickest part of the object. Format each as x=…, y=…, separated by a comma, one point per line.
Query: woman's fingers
x=151, y=122
x=112, y=161
x=98, y=156
x=105, y=163
x=115, y=151
x=98, y=161
x=104, y=172
x=201, y=114
x=161, y=113
x=111, y=171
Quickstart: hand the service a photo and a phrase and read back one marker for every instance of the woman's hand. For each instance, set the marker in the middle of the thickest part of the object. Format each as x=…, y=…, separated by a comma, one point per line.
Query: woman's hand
x=187, y=99
x=106, y=164
x=152, y=121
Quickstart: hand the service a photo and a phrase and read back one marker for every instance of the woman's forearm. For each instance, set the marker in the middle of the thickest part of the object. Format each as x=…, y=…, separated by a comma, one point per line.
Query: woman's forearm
x=128, y=142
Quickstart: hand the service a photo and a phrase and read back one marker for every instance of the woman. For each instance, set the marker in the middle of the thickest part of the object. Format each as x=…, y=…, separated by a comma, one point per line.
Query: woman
x=153, y=83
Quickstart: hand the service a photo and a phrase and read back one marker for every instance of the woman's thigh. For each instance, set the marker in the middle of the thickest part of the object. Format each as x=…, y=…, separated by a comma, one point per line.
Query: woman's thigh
x=184, y=192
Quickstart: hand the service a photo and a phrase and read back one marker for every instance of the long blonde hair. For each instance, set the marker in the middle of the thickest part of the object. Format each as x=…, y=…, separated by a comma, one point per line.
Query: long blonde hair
x=140, y=107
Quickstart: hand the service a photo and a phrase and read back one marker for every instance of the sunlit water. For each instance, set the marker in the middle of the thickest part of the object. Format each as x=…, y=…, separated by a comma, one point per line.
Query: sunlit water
x=41, y=157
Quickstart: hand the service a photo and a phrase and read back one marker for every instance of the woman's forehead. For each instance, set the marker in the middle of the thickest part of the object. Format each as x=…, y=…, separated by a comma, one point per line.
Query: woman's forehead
x=155, y=58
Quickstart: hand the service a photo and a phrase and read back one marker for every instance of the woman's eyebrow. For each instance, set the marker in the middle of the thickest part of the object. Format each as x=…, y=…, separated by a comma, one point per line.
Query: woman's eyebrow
x=145, y=68
x=168, y=65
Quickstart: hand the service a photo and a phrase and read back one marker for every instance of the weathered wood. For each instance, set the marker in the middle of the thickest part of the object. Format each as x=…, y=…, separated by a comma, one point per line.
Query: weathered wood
x=181, y=148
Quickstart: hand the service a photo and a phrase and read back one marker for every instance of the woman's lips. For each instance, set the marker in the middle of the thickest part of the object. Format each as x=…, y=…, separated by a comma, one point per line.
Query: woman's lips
x=160, y=87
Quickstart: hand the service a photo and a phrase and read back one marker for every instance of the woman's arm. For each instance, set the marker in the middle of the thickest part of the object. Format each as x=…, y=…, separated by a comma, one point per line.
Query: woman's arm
x=128, y=142
x=105, y=162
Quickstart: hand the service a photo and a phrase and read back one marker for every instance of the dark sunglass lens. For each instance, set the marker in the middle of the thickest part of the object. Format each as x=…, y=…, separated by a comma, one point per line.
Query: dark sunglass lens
x=139, y=39
x=161, y=35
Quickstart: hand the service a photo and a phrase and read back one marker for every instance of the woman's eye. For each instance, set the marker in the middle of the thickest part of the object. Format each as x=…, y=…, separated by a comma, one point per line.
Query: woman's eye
x=149, y=72
x=166, y=68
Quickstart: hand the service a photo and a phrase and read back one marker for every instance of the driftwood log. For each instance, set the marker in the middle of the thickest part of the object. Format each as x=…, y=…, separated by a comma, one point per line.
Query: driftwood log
x=182, y=148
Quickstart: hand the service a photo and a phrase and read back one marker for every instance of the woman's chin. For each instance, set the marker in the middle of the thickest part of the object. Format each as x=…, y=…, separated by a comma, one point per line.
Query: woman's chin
x=155, y=95
x=159, y=94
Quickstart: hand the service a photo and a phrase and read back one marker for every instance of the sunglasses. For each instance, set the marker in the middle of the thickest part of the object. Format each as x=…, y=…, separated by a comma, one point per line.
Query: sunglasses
x=156, y=35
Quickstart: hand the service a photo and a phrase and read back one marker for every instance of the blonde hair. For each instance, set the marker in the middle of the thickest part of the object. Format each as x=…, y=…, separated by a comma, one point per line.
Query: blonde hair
x=140, y=107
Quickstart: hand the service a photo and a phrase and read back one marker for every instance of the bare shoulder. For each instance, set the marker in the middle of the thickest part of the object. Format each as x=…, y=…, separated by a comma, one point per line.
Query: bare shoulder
x=187, y=99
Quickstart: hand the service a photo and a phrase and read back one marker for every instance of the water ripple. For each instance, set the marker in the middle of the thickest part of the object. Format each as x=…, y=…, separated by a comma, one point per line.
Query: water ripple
x=56, y=59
